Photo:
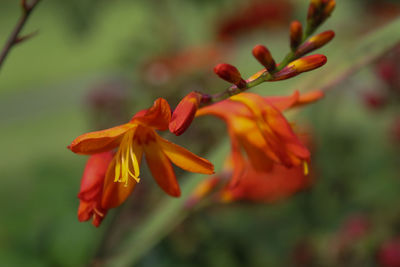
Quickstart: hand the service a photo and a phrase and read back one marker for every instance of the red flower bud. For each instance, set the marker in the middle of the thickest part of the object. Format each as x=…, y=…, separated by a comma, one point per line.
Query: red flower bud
x=230, y=74
x=315, y=42
x=262, y=54
x=296, y=34
x=183, y=114
x=328, y=9
x=300, y=65
x=319, y=11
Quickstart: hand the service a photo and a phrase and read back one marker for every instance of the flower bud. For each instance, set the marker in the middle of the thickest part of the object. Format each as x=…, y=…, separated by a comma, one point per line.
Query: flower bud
x=329, y=7
x=319, y=11
x=183, y=114
x=300, y=65
x=230, y=74
x=315, y=42
x=296, y=34
x=262, y=54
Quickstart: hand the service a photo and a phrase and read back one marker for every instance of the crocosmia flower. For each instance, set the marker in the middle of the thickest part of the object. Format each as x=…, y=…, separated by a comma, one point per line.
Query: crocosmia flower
x=255, y=186
x=132, y=140
x=257, y=125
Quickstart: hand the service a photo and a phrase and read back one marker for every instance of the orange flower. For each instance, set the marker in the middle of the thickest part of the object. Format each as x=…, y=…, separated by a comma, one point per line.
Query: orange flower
x=257, y=125
x=257, y=186
x=133, y=139
x=92, y=188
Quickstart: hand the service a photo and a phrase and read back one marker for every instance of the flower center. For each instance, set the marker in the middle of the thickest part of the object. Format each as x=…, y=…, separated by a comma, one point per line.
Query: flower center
x=126, y=164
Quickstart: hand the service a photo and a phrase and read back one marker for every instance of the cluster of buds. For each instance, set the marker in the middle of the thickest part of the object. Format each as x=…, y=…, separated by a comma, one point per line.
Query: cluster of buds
x=295, y=63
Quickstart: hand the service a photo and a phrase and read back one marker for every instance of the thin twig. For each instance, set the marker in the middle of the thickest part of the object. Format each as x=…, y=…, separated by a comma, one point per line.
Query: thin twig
x=15, y=37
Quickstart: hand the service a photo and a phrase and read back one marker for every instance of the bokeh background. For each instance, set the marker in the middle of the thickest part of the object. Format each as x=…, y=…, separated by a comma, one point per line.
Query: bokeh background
x=94, y=63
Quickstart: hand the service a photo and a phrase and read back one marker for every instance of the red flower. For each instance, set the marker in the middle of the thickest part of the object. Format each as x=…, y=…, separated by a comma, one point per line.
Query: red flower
x=133, y=139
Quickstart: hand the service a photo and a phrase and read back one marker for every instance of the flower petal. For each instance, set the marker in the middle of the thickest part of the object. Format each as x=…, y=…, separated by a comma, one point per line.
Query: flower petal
x=99, y=141
x=236, y=161
x=184, y=158
x=158, y=116
x=310, y=97
x=284, y=102
x=161, y=169
x=224, y=110
x=93, y=176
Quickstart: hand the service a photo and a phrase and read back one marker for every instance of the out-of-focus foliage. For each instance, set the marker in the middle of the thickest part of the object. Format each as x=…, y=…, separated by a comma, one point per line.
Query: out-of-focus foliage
x=87, y=70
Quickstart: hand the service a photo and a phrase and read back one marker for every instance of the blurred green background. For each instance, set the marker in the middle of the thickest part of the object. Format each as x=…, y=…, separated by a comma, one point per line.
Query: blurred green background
x=94, y=63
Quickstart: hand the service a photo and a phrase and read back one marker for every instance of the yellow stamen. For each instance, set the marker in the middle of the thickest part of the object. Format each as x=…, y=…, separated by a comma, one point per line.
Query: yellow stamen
x=98, y=213
x=305, y=166
x=127, y=165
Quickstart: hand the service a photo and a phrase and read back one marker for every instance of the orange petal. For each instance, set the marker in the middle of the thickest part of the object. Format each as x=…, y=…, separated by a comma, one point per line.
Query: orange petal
x=93, y=176
x=237, y=161
x=115, y=193
x=224, y=109
x=257, y=152
x=310, y=97
x=284, y=102
x=184, y=158
x=99, y=141
x=158, y=116
x=161, y=168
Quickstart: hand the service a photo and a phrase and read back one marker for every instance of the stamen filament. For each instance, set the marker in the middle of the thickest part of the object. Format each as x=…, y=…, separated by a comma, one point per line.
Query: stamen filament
x=127, y=164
